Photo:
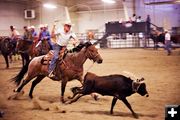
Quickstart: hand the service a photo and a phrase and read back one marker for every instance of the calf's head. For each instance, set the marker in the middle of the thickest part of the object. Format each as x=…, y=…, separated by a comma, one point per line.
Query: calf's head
x=142, y=90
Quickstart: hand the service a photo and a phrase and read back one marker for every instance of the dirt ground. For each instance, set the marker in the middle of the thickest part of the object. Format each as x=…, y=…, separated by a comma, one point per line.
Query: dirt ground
x=161, y=73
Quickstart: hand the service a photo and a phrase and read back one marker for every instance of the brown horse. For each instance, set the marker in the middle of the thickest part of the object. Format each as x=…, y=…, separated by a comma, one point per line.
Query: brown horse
x=6, y=47
x=71, y=68
x=28, y=46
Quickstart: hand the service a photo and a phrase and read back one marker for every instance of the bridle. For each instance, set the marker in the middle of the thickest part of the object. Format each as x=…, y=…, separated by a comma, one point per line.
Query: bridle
x=91, y=57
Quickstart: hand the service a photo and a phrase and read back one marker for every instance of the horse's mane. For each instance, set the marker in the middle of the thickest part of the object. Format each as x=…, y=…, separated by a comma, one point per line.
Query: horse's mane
x=80, y=46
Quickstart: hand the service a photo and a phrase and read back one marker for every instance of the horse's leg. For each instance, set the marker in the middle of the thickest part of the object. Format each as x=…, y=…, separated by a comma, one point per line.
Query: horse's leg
x=63, y=86
x=26, y=56
x=22, y=56
x=6, y=59
x=10, y=57
x=25, y=81
x=34, y=83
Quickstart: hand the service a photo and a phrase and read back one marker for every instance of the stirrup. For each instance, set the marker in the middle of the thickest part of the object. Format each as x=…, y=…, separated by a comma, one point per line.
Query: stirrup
x=51, y=74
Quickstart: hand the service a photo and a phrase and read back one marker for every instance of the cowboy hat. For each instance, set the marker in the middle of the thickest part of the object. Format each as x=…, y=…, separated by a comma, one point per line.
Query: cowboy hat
x=68, y=23
x=45, y=25
x=32, y=27
x=41, y=26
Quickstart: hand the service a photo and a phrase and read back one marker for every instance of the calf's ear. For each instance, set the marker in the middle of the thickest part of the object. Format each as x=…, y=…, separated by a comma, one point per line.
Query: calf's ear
x=142, y=79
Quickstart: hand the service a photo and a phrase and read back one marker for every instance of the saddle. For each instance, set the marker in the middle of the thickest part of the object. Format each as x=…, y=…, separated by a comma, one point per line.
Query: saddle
x=48, y=57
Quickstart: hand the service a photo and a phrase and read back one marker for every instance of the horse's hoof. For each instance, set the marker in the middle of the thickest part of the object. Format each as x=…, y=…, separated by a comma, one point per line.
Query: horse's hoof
x=135, y=116
x=69, y=97
x=62, y=100
x=16, y=96
x=30, y=96
x=111, y=112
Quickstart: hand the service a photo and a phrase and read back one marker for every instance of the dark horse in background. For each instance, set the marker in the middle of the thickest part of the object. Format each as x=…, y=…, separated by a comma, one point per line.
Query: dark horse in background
x=6, y=49
x=158, y=36
x=28, y=48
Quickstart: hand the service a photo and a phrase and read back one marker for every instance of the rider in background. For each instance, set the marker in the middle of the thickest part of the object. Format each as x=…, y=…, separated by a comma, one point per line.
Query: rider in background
x=27, y=34
x=40, y=31
x=33, y=32
x=45, y=35
x=41, y=27
x=63, y=36
x=14, y=38
x=14, y=35
x=34, y=35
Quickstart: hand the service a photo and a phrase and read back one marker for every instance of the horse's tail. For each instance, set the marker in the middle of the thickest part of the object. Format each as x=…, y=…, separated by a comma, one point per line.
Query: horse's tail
x=17, y=79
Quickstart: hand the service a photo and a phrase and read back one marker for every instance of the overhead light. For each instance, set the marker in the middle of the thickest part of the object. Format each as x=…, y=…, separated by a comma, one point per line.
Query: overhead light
x=109, y=1
x=50, y=6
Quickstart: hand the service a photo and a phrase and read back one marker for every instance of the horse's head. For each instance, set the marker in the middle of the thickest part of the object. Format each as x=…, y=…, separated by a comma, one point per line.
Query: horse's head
x=7, y=44
x=92, y=53
x=23, y=45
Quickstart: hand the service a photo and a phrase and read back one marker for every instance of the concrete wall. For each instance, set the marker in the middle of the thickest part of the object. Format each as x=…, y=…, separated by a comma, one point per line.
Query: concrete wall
x=97, y=19
x=88, y=20
x=11, y=14
x=84, y=20
x=166, y=15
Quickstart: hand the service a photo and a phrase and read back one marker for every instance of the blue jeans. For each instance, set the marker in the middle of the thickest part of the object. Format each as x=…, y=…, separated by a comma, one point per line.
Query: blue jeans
x=168, y=46
x=50, y=44
x=52, y=65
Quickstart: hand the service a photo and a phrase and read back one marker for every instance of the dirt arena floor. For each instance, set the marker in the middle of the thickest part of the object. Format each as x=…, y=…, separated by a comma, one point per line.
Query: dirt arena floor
x=161, y=73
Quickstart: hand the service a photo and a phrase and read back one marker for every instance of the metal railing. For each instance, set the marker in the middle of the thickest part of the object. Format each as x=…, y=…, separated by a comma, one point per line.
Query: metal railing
x=122, y=40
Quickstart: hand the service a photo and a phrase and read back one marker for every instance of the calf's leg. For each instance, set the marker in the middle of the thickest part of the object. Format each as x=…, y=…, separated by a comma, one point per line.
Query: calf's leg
x=75, y=99
x=129, y=106
x=113, y=104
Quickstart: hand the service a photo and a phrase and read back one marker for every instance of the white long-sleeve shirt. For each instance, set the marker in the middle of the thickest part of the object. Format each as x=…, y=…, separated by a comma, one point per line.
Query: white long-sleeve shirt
x=63, y=38
x=167, y=36
x=15, y=34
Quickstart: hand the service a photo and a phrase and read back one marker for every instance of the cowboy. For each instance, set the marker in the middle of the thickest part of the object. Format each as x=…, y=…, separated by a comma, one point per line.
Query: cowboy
x=27, y=34
x=41, y=27
x=14, y=35
x=168, y=42
x=45, y=35
x=63, y=36
x=33, y=32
